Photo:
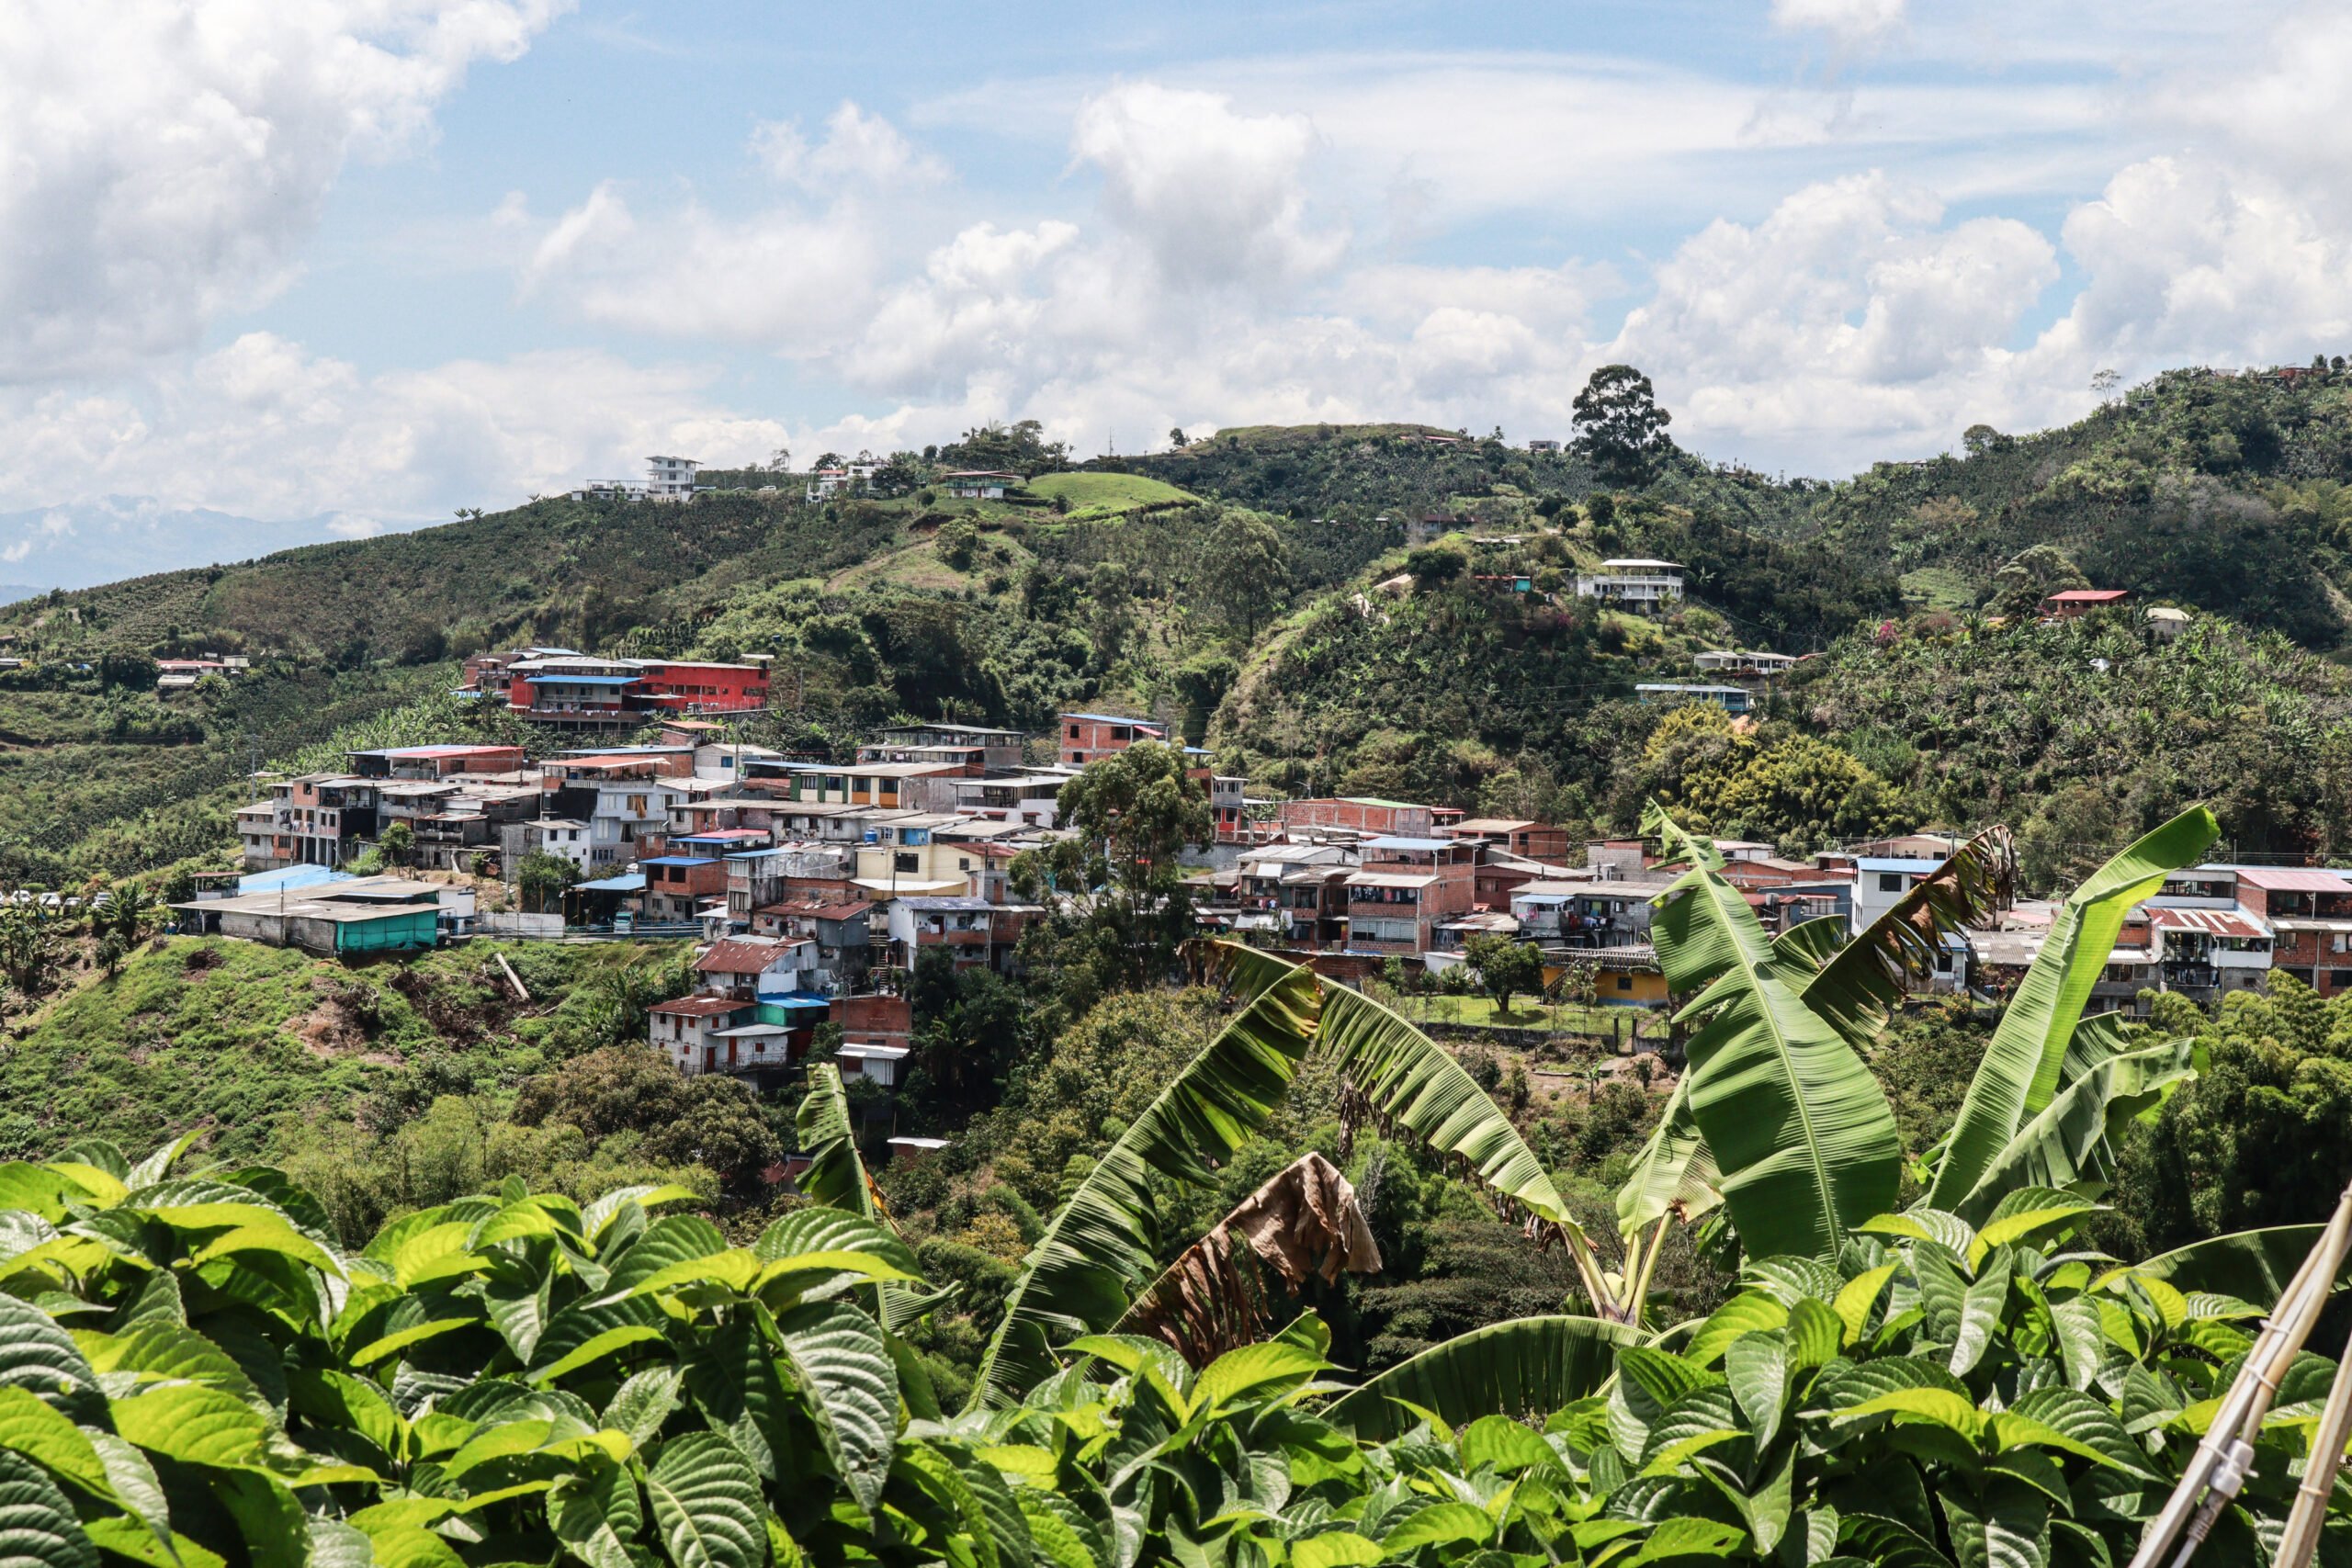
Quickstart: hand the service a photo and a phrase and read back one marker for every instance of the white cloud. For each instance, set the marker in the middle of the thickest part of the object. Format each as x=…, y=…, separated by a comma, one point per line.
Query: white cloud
x=263, y=428
x=861, y=148
x=163, y=164
x=781, y=278
x=1847, y=320
x=1848, y=21
x=1213, y=196
x=2188, y=261
x=346, y=525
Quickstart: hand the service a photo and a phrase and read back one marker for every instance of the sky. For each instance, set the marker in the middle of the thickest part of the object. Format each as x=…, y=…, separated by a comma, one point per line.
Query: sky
x=272, y=274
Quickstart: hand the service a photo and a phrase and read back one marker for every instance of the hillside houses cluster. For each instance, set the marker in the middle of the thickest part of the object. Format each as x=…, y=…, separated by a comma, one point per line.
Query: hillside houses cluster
x=814, y=885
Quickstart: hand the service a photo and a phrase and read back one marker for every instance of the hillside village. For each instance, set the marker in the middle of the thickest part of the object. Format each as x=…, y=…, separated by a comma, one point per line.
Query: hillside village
x=814, y=888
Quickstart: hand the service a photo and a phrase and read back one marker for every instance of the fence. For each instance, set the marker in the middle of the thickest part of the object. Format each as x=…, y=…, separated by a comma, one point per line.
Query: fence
x=524, y=928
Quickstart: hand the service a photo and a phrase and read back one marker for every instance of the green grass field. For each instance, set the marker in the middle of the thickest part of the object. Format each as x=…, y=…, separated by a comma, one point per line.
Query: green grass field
x=1108, y=493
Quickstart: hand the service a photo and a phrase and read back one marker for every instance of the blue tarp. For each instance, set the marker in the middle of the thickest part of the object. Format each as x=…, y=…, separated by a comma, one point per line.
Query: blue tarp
x=290, y=877
x=583, y=679
x=793, y=999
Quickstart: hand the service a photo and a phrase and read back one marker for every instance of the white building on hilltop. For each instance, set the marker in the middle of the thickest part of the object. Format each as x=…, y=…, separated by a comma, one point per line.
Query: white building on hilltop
x=669, y=478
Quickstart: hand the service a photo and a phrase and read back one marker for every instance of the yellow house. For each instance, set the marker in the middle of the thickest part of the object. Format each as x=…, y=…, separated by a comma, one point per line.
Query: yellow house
x=1628, y=976
x=885, y=784
x=908, y=859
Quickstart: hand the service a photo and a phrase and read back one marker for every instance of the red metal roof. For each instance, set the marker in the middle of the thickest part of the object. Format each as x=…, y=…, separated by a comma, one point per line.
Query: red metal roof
x=740, y=955
x=2212, y=922
x=2089, y=596
x=2293, y=879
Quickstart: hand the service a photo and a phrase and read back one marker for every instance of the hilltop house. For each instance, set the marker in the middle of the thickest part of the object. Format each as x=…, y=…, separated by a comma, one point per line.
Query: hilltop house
x=1674, y=694
x=979, y=484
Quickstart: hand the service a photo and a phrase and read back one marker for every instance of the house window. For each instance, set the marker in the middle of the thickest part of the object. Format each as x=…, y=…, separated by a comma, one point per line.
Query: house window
x=1073, y=732
x=1625, y=982
x=1890, y=882
x=2338, y=979
x=906, y=863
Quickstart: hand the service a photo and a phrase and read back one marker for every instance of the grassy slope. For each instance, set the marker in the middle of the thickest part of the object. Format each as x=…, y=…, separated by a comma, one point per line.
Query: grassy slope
x=247, y=1041
x=1108, y=493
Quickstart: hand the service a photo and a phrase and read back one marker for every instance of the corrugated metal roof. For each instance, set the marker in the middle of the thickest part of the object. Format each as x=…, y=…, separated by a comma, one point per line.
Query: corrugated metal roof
x=2212, y=922
x=2291, y=878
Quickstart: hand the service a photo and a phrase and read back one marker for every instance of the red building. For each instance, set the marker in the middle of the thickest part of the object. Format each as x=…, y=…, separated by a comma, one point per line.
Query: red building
x=1535, y=841
x=1361, y=813
x=676, y=886
x=2310, y=915
x=1087, y=736
x=2082, y=600
x=672, y=687
x=435, y=762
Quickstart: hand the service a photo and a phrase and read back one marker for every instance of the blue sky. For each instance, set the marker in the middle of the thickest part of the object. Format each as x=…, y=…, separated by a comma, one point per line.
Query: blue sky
x=277, y=276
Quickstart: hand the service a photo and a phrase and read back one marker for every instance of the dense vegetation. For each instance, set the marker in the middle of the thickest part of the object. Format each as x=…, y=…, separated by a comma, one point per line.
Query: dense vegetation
x=530, y=1376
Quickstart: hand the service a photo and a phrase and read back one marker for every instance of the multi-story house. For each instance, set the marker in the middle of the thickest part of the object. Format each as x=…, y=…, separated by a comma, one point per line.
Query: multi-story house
x=1535, y=841
x=840, y=930
x=435, y=762
x=1634, y=583
x=317, y=819
x=1086, y=737
x=903, y=856
x=997, y=749
x=1031, y=799
x=2310, y=915
x=677, y=888
x=1368, y=815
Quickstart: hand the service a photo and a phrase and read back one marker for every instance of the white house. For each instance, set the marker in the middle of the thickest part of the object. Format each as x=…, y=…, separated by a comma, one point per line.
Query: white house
x=669, y=478
x=1879, y=882
x=1745, y=661
x=1638, y=583
x=979, y=484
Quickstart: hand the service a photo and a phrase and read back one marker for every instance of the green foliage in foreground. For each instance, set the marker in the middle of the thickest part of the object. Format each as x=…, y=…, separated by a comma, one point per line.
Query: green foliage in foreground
x=196, y=1372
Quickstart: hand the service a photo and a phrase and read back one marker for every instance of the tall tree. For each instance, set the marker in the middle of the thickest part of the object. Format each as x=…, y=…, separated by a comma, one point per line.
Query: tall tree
x=1245, y=570
x=1619, y=428
x=1120, y=900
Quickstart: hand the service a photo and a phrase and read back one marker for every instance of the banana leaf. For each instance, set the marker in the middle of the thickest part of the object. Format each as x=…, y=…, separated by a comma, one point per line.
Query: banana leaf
x=836, y=1175
x=2022, y=1065
x=1802, y=1134
x=1417, y=1090
x=1304, y=1222
x=2063, y=1145
x=1102, y=1245
x=1528, y=1366
x=1674, y=1172
x=2254, y=1265
x=1858, y=989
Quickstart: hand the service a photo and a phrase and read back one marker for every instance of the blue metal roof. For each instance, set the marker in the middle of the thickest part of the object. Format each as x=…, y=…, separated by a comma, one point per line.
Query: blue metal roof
x=1400, y=842
x=286, y=878
x=1119, y=718
x=583, y=679
x=627, y=882
x=681, y=860
x=794, y=1000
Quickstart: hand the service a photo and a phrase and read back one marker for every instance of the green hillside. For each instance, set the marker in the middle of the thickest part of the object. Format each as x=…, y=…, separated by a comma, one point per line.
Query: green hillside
x=1224, y=585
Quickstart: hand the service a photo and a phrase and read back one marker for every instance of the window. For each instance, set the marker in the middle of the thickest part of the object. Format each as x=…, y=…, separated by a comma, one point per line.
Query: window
x=906, y=863
x=1890, y=882
x=1625, y=982
x=2338, y=979
x=963, y=862
x=1073, y=732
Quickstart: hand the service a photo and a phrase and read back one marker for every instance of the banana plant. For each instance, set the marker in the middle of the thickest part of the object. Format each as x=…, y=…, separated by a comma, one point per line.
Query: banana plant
x=1103, y=1245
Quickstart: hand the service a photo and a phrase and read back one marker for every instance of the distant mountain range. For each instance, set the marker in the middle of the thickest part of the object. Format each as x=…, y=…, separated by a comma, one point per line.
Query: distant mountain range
x=81, y=543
